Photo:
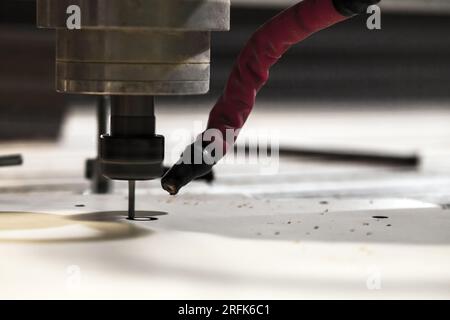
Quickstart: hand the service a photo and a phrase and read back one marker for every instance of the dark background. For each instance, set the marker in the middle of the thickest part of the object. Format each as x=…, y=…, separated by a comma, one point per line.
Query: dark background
x=406, y=62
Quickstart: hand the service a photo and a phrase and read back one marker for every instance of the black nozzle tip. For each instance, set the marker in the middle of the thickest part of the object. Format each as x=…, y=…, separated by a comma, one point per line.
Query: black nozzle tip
x=188, y=169
x=171, y=186
x=182, y=174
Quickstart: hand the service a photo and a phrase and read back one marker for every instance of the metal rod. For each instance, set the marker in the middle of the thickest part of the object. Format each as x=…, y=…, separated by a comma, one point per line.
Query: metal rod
x=12, y=160
x=373, y=158
x=100, y=184
x=131, y=199
x=102, y=119
x=354, y=156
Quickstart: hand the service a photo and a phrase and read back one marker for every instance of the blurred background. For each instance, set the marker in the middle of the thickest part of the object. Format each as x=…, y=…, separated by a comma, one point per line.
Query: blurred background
x=404, y=63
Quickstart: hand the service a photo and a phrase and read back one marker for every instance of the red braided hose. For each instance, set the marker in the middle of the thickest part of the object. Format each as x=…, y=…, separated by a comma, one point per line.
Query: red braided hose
x=263, y=50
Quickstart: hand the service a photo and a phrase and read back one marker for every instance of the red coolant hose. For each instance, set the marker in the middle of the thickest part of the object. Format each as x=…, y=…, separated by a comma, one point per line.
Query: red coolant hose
x=251, y=72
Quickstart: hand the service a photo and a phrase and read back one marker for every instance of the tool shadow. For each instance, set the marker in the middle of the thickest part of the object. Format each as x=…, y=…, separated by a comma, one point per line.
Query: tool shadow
x=33, y=227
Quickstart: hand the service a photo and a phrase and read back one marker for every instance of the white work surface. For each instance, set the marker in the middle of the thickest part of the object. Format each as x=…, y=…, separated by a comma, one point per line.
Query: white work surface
x=307, y=232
